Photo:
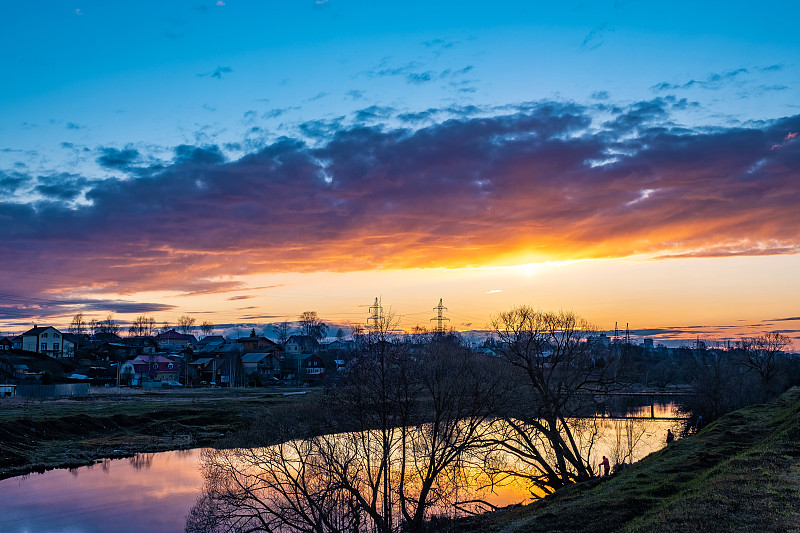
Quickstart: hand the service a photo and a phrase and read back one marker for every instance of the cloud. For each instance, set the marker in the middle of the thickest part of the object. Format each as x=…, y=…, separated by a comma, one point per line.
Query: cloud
x=541, y=181
x=11, y=182
x=415, y=75
x=17, y=306
x=594, y=39
x=216, y=73
x=117, y=159
x=62, y=186
x=713, y=81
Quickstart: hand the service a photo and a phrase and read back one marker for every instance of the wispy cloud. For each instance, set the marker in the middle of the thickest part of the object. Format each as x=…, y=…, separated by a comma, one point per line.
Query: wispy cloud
x=216, y=73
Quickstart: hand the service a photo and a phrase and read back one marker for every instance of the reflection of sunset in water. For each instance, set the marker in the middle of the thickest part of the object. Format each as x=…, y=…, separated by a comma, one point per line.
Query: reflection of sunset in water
x=148, y=492
x=154, y=492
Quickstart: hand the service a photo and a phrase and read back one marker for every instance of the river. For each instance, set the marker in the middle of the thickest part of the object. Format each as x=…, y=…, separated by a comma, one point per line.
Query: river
x=155, y=492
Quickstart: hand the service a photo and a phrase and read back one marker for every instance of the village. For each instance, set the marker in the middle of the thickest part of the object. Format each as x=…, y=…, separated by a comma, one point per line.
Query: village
x=45, y=355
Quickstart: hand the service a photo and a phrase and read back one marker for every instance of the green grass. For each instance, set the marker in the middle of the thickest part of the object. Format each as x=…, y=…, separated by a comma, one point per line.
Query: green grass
x=39, y=435
x=741, y=473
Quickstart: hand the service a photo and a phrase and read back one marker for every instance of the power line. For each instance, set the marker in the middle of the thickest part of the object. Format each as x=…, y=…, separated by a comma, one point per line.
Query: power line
x=440, y=318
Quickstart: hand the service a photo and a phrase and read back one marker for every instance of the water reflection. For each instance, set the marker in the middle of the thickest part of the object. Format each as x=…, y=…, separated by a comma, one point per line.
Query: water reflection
x=156, y=492
x=345, y=483
x=148, y=492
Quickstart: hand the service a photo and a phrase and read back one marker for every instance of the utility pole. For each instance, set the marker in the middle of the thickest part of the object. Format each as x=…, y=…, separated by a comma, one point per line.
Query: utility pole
x=440, y=318
x=375, y=315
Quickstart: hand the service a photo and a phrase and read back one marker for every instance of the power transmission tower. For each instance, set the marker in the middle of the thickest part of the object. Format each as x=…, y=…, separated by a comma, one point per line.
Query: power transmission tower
x=375, y=315
x=440, y=318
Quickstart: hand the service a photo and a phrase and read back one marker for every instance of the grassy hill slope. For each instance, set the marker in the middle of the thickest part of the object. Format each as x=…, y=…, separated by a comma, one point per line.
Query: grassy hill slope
x=741, y=473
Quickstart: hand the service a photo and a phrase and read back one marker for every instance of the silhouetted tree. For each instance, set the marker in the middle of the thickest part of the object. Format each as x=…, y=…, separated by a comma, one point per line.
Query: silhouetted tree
x=186, y=324
x=78, y=325
x=555, y=377
x=311, y=325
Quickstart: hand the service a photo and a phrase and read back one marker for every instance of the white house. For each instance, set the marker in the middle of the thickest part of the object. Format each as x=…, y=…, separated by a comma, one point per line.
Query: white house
x=47, y=340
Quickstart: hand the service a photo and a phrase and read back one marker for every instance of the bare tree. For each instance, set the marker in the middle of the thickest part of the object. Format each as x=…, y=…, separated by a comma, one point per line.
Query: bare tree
x=78, y=325
x=186, y=324
x=283, y=332
x=762, y=355
x=207, y=328
x=411, y=424
x=559, y=375
x=142, y=326
x=109, y=325
x=94, y=326
x=311, y=325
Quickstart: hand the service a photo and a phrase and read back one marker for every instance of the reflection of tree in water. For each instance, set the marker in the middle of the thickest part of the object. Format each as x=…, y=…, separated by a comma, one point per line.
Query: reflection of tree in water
x=141, y=460
x=422, y=430
x=417, y=423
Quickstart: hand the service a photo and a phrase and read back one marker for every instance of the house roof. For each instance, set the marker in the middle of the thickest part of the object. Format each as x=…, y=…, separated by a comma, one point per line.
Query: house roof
x=202, y=361
x=212, y=339
x=172, y=334
x=37, y=330
x=254, y=357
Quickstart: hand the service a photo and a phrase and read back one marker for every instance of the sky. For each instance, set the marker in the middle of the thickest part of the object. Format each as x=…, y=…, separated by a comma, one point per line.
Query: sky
x=239, y=162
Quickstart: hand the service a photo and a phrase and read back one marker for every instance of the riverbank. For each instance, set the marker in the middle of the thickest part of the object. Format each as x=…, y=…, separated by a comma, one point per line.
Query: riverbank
x=741, y=473
x=38, y=435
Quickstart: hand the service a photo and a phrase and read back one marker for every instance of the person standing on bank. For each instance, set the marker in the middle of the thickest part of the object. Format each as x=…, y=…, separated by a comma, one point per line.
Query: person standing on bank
x=606, y=465
x=670, y=436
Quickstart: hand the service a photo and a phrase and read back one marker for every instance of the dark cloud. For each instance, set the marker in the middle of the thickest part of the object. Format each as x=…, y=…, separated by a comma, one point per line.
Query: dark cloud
x=63, y=186
x=195, y=155
x=374, y=112
x=117, y=159
x=544, y=178
x=11, y=182
x=17, y=306
x=242, y=297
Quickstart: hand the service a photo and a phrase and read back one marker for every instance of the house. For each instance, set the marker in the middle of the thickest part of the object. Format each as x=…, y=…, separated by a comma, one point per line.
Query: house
x=313, y=369
x=128, y=348
x=210, y=342
x=17, y=342
x=6, y=343
x=255, y=343
x=154, y=368
x=173, y=339
x=47, y=340
x=339, y=346
x=265, y=365
x=205, y=369
x=298, y=345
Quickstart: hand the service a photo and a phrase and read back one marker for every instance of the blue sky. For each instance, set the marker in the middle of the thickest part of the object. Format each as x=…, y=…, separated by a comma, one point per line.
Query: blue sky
x=158, y=74
x=306, y=138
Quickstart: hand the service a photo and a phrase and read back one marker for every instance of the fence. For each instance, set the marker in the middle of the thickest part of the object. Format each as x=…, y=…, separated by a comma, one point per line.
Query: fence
x=58, y=390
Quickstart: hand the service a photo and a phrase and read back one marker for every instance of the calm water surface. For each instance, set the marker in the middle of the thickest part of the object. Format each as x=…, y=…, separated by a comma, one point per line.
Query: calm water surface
x=154, y=492
x=146, y=493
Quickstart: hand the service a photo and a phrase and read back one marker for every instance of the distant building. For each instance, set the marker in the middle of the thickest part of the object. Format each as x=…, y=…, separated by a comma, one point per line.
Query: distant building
x=266, y=365
x=154, y=368
x=47, y=340
x=173, y=339
x=648, y=343
x=313, y=369
x=6, y=343
x=255, y=343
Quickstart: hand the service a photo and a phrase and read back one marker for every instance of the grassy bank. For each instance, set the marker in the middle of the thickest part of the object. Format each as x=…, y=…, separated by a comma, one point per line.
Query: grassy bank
x=39, y=435
x=741, y=473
